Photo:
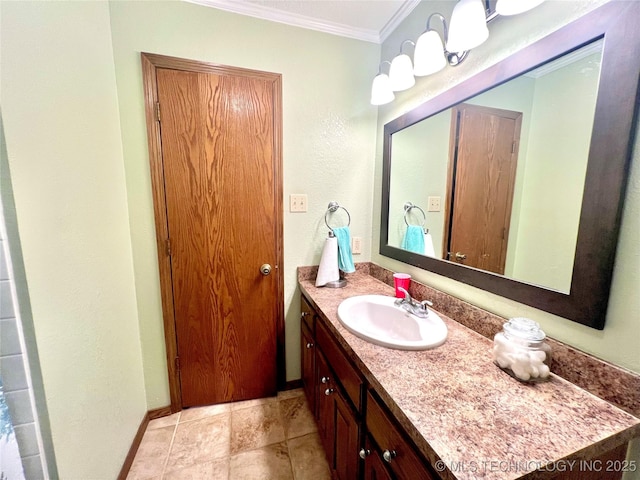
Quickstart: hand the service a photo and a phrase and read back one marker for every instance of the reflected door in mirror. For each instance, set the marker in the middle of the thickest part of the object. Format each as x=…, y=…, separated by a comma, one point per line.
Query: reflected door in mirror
x=482, y=168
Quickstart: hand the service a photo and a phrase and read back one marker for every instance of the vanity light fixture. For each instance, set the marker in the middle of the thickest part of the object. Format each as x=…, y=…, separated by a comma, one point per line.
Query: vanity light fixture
x=468, y=26
x=401, y=70
x=381, y=91
x=466, y=30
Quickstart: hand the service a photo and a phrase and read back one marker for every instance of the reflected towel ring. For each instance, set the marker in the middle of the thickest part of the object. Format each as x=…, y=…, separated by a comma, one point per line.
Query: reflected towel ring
x=333, y=207
x=407, y=208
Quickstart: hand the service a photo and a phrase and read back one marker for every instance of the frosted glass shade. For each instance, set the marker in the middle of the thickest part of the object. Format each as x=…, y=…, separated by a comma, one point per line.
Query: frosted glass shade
x=428, y=56
x=514, y=7
x=401, y=73
x=468, y=26
x=381, y=92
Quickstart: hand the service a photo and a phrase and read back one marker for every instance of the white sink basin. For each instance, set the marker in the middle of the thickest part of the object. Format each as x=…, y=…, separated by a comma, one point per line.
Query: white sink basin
x=376, y=319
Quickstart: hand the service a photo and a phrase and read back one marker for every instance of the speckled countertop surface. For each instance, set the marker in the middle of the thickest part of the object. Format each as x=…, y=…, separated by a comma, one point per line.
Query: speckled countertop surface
x=467, y=415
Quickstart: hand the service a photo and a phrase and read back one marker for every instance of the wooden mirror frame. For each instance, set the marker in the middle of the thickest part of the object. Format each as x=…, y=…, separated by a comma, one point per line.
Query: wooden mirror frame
x=607, y=169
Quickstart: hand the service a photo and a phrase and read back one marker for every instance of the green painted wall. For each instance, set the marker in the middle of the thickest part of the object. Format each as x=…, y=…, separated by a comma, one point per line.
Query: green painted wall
x=564, y=104
x=426, y=142
x=61, y=122
x=329, y=139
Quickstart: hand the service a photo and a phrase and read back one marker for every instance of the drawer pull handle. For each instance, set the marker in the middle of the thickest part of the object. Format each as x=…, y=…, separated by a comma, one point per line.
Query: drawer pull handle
x=364, y=453
x=310, y=345
x=325, y=380
x=388, y=455
x=329, y=391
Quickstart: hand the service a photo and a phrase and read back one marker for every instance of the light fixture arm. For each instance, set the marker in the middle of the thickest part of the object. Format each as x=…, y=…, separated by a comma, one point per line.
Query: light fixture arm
x=453, y=58
x=380, y=66
x=406, y=41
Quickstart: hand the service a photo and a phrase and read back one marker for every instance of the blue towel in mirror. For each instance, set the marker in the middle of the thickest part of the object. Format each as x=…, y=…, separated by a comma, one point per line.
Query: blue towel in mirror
x=413, y=240
x=345, y=259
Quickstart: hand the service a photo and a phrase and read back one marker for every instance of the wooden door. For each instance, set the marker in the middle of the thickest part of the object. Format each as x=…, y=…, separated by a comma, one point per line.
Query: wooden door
x=220, y=171
x=482, y=168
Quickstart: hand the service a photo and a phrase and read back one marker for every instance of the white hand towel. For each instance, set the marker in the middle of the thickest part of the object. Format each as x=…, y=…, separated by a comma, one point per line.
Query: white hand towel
x=428, y=246
x=328, y=268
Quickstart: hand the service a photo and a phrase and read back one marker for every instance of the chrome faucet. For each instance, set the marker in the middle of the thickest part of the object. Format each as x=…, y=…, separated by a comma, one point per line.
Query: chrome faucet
x=419, y=309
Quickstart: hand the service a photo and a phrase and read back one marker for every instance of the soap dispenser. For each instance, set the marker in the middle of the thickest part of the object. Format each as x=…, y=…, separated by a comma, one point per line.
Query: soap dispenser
x=520, y=350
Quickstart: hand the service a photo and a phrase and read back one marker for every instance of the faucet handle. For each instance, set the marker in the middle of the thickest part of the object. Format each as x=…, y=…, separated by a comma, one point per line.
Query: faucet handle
x=426, y=303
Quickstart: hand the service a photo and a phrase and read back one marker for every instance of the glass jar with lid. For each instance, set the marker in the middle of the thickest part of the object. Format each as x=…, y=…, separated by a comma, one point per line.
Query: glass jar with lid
x=520, y=350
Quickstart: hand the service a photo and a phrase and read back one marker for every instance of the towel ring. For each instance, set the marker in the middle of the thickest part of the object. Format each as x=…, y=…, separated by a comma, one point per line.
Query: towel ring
x=333, y=207
x=407, y=208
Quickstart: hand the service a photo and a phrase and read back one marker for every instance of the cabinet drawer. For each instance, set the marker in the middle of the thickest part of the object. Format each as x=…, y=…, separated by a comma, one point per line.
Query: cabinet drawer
x=402, y=459
x=307, y=314
x=349, y=377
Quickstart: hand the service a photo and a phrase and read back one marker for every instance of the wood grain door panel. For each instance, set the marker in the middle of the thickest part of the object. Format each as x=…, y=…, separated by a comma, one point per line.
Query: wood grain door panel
x=218, y=159
x=481, y=178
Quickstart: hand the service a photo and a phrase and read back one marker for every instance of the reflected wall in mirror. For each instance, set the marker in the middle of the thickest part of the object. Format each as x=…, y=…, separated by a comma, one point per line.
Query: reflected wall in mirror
x=507, y=168
x=550, y=205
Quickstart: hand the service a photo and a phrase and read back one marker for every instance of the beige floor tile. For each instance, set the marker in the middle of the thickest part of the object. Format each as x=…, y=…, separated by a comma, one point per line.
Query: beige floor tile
x=308, y=459
x=266, y=463
x=297, y=392
x=200, y=441
x=216, y=470
x=168, y=421
x=256, y=427
x=152, y=454
x=252, y=403
x=195, y=413
x=297, y=417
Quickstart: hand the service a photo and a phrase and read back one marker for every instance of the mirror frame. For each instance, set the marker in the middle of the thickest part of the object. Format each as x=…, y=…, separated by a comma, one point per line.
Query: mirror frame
x=607, y=168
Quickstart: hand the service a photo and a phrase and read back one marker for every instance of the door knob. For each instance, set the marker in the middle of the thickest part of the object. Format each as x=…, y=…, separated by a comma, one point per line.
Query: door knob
x=265, y=269
x=460, y=256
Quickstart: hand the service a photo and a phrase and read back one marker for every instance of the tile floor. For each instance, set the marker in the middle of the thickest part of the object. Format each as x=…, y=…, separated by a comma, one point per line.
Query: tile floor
x=270, y=438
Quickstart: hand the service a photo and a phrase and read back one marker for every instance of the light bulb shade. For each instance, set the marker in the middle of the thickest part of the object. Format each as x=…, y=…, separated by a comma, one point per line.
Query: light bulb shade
x=381, y=92
x=514, y=7
x=468, y=26
x=428, y=56
x=401, y=73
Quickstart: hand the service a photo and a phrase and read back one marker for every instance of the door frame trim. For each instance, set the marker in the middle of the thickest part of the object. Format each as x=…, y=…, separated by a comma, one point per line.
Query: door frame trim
x=150, y=63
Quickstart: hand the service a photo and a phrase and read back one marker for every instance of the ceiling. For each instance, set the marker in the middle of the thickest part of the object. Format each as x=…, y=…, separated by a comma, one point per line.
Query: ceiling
x=368, y=20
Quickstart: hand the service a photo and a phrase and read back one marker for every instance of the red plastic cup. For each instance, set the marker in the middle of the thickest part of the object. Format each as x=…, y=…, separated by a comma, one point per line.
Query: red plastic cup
x=401, y=280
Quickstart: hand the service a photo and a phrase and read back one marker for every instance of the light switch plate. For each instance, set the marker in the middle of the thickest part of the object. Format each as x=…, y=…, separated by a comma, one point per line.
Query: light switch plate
x=356, y=245
x=298, y=202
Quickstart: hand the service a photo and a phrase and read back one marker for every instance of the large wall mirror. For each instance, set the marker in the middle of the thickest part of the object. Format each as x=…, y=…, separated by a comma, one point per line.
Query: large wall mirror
x=513, y=181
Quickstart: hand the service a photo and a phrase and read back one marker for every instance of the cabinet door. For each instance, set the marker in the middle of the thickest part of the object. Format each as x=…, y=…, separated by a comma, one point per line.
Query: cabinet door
x=347, y=434
x=325, y=405
x=398, y=454
x=308, y=355
x=374, y=468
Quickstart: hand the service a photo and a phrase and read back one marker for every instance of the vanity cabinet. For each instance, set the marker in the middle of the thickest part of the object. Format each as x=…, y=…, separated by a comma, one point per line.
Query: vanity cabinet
x=334, y=390
x=362, y=438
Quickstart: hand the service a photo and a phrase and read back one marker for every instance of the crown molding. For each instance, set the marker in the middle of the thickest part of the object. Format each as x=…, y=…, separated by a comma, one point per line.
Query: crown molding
x=293, y=19
x=403, y=12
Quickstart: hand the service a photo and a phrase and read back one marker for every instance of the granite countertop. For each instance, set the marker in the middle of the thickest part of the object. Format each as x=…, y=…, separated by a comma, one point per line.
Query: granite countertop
x=469, y=418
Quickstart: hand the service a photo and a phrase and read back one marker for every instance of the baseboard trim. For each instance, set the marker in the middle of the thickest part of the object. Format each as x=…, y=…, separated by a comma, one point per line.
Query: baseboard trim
x=135, y=444
x=293, y=384
x=159, y=412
